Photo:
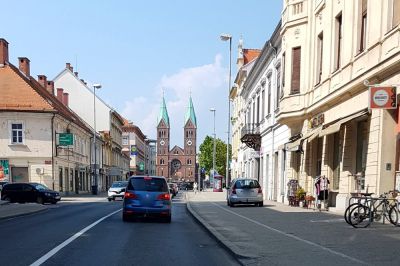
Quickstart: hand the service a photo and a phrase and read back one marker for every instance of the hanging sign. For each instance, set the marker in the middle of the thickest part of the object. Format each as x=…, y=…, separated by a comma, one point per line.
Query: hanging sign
x=382, y=98
x=4, y=170
x=134, y=151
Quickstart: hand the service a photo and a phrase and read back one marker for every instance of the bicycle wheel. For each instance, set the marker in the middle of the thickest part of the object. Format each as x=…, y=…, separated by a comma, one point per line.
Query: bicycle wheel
x=394, y=215
x=360, y=216
x=348, y=210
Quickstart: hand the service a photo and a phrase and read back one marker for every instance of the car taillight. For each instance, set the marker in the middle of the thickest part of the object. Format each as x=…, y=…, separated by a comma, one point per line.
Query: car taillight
x=259, y=190
x=165, y=196
x=233, y=190
x=129, y=195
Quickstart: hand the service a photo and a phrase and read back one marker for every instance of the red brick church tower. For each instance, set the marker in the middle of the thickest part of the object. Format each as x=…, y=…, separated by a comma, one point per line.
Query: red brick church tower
x=176, y=164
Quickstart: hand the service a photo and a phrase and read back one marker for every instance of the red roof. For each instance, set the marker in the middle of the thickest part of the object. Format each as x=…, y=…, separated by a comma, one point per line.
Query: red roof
x=250, y=54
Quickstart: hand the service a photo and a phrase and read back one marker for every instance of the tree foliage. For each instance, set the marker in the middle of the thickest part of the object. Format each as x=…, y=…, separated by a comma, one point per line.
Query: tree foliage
x=206, y=155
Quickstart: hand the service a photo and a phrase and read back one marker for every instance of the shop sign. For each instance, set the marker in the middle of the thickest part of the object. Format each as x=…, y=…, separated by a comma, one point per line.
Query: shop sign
x=4, y=170
x=316, y=121
x=133, y=150
x=382, y=98
x=141, y=166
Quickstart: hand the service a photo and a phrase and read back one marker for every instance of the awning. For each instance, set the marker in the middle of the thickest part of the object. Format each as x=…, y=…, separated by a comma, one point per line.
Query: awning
x=336, y=126
x=294, y=146
x=312, y=134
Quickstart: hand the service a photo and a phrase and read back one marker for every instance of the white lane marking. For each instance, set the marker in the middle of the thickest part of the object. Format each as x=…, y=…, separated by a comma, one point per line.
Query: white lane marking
x=294, y=237
x=52, y=252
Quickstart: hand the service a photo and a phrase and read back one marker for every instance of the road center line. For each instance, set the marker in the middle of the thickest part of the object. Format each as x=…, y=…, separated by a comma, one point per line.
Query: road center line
x=294, y=237
x=52, y=252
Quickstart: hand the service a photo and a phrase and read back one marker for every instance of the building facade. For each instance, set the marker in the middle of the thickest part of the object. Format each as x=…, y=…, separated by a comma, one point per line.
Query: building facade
x=33, y=120
x=176, y=164
x=332, y=51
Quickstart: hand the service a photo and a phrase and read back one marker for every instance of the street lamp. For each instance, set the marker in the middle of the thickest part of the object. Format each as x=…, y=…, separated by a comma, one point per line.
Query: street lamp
x=226, y=37
x=213, y=110
x=94, y=187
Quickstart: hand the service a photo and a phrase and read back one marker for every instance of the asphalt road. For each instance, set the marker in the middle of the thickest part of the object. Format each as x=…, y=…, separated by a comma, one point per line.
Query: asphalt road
x=111, y=241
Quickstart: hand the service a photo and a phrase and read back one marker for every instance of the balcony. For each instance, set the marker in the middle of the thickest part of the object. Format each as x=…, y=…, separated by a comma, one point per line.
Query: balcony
x=251, y=136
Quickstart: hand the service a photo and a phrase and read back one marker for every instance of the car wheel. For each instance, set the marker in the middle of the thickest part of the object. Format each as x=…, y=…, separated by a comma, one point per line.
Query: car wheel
x=232, y=204
x=260, y=204
x=109, y=199
x=39, y=200
x=54, y=202
x=125, y=217
x=7, y=199
x=227, y=203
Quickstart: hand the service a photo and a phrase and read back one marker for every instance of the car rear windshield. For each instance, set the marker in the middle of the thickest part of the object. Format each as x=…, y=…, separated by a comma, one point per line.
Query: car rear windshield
x=148, y=184
x=119, y=184
x=247, y=183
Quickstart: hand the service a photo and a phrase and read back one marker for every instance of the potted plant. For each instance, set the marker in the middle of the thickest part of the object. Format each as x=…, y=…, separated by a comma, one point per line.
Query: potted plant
x=300, y=195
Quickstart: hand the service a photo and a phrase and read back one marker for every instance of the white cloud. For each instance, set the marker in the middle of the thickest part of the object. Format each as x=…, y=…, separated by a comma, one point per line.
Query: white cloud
x=208, y=86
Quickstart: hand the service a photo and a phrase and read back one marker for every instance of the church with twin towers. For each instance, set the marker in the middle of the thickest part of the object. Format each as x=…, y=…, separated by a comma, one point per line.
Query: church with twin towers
x=176, y=164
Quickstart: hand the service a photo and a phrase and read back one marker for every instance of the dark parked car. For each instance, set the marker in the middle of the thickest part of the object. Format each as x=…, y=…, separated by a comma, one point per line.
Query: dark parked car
x=2, y=183
x=147, y=196
x=29, y=192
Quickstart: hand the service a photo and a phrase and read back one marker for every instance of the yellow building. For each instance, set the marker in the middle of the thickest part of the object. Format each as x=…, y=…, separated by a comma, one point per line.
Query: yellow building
x=331, y=49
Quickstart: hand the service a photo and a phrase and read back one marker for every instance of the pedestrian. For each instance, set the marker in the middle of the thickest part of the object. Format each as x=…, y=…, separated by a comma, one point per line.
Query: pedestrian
x=195, y=187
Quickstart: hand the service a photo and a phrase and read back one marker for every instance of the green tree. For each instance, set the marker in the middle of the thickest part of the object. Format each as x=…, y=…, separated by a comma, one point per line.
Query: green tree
x=206, y=155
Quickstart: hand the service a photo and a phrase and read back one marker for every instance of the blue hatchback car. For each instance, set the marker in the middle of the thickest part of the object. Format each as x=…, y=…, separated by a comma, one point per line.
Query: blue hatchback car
x=147, y=196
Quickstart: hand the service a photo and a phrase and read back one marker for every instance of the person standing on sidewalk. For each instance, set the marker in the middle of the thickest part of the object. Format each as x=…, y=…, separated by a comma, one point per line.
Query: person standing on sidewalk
x=195, y=187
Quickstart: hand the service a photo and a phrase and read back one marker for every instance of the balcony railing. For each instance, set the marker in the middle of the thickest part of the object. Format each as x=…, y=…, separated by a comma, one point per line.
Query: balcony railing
x=251, y=136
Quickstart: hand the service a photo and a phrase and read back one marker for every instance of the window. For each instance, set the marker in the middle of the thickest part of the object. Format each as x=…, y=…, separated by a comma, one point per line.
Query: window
x=278, y=87
x=269, y=96
x=125, y=140
x=17, y=133
x=363, y=29
x=394, y=15
x=319, y=56
x=296, y=63
x=338, y=46
x=283, y=69
x=263, y=103
x=258, y=109
x=254, y=110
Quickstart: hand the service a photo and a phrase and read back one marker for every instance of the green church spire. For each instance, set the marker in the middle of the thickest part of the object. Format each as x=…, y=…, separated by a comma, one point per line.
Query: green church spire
x=163, y=113
x=190, y=114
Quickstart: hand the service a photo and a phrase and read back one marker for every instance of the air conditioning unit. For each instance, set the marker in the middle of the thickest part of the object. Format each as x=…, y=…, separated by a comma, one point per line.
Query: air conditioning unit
x=40, y=171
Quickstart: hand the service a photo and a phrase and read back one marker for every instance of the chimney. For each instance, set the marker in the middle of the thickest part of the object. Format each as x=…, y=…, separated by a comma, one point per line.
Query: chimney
x=50, y=87
x=65, y=98
x=24, y=66
x=76, y=74
x=3, y=52
x=42, y=80
x=68, y=65
x=60, y=92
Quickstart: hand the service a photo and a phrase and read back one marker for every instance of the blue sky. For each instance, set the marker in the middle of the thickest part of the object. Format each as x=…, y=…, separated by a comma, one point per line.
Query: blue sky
x=137, y=48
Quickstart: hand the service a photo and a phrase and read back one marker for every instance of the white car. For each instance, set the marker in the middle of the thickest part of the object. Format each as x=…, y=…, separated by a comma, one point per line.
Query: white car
x=117, y=190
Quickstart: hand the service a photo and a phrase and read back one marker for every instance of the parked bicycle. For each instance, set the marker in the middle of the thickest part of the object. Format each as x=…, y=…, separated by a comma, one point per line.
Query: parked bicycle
x=367, y=210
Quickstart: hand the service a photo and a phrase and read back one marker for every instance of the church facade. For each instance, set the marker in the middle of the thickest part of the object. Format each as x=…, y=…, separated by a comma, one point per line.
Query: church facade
x=176, y=164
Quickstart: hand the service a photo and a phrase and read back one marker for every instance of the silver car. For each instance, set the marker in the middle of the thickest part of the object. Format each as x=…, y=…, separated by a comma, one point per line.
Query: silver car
x=117, y=190
x=244, y=191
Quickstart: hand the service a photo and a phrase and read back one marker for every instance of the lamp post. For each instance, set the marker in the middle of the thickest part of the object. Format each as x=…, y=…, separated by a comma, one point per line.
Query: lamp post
x=213, y=110
x=94, y=186
x=226, y=37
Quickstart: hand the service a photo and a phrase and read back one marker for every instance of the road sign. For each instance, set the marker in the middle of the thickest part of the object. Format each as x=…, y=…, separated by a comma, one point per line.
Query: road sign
x=65, y=139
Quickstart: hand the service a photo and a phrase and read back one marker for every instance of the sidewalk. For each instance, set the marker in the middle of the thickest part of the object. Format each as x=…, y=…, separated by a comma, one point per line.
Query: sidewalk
x=10, y=210
x=237, y=232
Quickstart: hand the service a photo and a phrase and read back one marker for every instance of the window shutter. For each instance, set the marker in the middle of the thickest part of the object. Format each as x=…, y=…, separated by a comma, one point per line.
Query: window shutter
x=296, y=62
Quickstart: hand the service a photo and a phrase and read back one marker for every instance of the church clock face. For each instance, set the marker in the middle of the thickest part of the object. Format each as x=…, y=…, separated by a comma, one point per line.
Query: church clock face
x=162, y=143
x=189, y=142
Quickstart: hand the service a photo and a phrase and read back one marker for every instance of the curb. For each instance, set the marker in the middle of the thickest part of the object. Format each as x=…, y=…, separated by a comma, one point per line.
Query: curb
x=23, y=214
x=235, y=251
